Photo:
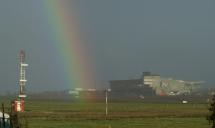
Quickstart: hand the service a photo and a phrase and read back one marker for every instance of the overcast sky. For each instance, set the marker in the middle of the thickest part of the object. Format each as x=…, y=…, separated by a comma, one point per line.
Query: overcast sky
x=167, y=37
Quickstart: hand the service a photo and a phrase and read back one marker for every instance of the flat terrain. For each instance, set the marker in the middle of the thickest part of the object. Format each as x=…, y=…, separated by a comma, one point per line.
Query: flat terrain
x=112, y=98
x=120, y=115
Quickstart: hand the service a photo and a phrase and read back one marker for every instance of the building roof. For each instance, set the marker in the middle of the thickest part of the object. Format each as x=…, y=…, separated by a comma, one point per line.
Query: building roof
x=197, y=82
x=124, y=80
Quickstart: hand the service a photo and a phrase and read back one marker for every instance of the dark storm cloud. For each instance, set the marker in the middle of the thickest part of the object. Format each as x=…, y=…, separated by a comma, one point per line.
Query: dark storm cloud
x=171, y=38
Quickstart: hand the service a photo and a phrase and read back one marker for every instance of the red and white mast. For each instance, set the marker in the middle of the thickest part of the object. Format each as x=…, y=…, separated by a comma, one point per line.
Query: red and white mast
x=22, y=95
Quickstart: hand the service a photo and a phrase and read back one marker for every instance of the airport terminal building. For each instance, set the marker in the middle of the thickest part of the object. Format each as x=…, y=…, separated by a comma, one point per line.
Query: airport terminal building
x=150, y=84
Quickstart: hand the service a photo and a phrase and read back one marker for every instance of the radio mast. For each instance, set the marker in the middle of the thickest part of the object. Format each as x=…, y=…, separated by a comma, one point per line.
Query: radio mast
x=22, y=95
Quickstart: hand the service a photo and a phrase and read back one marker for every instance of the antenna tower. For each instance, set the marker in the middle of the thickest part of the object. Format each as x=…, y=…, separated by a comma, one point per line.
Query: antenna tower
x=22, y=95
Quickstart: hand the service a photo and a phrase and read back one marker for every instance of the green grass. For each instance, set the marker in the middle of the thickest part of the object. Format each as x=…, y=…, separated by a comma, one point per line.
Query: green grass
x=118, y=123
x=120, y=115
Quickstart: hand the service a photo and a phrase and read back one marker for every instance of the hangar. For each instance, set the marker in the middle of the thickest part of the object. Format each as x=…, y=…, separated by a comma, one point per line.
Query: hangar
x=150, y=84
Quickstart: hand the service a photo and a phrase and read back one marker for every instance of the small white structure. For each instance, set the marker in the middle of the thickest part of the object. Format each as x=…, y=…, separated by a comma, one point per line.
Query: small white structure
x=184, y=102
x=79, y=89
x=73, y=92
x=171, y=94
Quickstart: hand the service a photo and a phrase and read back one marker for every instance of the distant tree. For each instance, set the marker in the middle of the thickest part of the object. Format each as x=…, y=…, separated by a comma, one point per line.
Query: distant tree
x=211, y=118
x=7, y=92
x=15, y=93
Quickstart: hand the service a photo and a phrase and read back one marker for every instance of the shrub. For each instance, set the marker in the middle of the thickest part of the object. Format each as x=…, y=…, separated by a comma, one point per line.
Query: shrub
x=211, y=118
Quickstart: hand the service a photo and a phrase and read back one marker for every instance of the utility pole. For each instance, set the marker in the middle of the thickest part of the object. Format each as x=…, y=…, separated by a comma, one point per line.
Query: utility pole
x=106, y=102
x=3, y=115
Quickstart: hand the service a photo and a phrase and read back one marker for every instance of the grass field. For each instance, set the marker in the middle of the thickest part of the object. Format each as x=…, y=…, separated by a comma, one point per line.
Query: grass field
x=120, y=115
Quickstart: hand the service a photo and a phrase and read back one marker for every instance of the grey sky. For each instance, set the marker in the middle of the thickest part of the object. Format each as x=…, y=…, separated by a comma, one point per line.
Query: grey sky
x=126, y=37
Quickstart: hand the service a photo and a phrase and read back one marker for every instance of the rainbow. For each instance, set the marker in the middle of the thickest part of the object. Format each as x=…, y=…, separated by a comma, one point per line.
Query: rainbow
x=72, y=53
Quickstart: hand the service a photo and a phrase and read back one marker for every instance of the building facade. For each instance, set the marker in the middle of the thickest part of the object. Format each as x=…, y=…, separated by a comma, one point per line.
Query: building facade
x=150, y=84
